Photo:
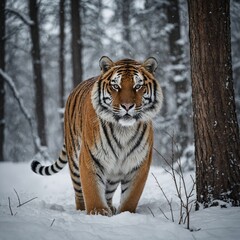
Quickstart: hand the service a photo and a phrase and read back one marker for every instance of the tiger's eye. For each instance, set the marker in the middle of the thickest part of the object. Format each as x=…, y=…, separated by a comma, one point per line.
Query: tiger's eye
x=115, y=86
x=138, y=86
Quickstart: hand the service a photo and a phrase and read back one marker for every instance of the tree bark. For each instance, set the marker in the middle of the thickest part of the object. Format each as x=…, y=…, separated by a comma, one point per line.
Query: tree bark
x=215, y=124
x=2, y=66
x=76, y=42
x=37, y=71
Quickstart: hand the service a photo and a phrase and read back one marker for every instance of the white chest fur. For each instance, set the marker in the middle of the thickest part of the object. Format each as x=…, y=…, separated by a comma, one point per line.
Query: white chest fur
x=121, y=149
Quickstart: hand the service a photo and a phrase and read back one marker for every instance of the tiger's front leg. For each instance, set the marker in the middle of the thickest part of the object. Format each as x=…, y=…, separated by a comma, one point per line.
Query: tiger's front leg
x=93, y=185
x=132, y=187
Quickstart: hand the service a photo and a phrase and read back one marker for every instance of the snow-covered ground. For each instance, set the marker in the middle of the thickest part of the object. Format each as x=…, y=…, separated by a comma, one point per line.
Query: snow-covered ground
x=53, y=216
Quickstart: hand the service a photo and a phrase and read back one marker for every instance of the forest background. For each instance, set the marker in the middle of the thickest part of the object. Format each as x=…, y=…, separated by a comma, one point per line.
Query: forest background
x=118, y=29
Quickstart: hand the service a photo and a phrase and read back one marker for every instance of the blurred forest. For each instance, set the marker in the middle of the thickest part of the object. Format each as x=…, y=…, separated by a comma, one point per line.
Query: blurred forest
x=90, y=29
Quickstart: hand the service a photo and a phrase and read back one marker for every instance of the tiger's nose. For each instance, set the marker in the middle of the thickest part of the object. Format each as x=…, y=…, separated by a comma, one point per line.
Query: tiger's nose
x=127, y=106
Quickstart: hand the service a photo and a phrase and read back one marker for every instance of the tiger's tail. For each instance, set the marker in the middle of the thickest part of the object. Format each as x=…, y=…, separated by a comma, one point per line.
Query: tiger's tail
x=56, y=167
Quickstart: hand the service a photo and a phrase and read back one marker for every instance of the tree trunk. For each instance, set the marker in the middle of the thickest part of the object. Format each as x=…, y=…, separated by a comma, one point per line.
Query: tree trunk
x=2, y=66
x=76, y=43
x=215, y=124
x=179, y=81
x=126, y=9
x=37, y=71
x=61, y=54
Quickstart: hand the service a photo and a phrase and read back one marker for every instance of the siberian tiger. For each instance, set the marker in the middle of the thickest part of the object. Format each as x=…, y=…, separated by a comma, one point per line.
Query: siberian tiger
x=109, y=135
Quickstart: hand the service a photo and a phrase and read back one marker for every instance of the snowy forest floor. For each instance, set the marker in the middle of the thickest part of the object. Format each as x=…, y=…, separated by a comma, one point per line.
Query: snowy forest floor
x=53, y=216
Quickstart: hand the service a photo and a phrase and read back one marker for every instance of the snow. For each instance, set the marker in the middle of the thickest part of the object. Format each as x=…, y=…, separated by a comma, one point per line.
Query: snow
x=53, y=216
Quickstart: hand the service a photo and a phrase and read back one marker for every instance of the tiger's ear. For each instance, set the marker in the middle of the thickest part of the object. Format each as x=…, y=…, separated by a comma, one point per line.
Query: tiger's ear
x=150, y=64
x=105, y=63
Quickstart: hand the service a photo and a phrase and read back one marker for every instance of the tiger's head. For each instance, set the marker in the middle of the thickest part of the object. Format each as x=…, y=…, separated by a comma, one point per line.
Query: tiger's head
x=126, y=91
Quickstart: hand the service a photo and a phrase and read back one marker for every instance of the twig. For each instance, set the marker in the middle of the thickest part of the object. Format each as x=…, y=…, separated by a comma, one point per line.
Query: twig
x=19, y=201
x=169, y=203
x=24, y=18
x=27, y=202
x=9, y=205
x=52, y=222
x=181, y=187
x=163, y=213
x=151, y=211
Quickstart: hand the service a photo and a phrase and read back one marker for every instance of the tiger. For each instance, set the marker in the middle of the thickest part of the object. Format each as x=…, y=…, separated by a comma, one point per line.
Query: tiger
x=108, y=135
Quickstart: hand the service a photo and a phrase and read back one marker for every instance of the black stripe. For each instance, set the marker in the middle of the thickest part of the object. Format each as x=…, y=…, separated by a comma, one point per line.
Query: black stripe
x=62, y=161
x=134, y=169
x=47, y=171
x=73, y=102
x=53, y=170
x=125, y=182
x=41, y=170
x=100, y=97
x=106, y=98
x=108, y=139
x=34, y=166
x=100, y=178
x=150, y=88
x=110, y=191
x=103, y=98
x=75, y=165
x=76, y=182
x=77, y=190
x=114, y=137
x=57, y=166
x=97, y=162
x=64, y=150
x=135, y=134
x=112, y=182
x=138, y=141
x=123, y=190
x=109, y=198
x=71, y=134
x=74, y=173
x=154, y=88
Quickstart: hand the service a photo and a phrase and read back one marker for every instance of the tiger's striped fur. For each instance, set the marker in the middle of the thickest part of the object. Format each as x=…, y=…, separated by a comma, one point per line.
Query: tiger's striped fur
x=109, y=135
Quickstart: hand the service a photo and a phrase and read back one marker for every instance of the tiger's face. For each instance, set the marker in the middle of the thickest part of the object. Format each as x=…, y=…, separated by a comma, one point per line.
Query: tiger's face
x=127, y=91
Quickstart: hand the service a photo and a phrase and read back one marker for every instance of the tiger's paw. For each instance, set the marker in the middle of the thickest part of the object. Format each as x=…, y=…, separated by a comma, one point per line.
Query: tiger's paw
x=101, y=211
x=114, y=210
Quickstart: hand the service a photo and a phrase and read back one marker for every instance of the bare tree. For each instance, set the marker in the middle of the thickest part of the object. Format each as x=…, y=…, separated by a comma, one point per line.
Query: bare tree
x=126, y=33
x=37, y=71
x=2, y=66
x=76, y=42
x=61, y=52
x=215, y=124
x=178, y=79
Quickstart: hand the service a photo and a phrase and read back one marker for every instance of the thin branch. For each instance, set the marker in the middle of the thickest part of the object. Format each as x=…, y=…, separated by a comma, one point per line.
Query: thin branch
x=163, y=213
x=27, y=202
x=52, y=222
x=23, y=109
x=151, y=211
x=24, y=18
x=181, y=186
x=19, y=201
x=169, y=203
x=9, y=205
